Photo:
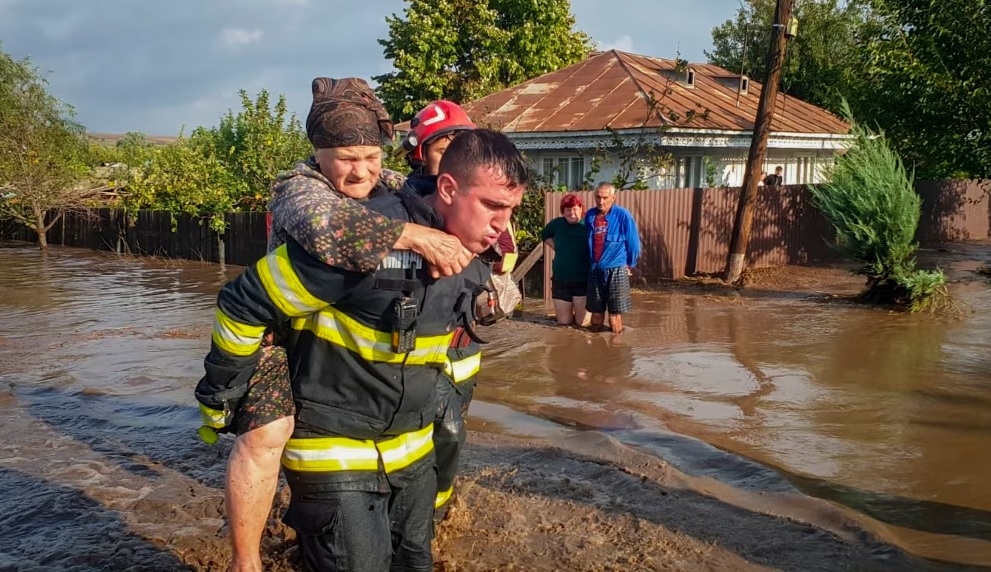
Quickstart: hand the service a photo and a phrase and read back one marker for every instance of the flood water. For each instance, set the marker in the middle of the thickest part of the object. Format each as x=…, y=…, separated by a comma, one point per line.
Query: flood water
x=888, y=415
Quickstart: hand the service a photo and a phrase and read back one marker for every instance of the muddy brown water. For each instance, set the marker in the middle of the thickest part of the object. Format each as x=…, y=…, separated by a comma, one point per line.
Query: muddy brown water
x=885, y=415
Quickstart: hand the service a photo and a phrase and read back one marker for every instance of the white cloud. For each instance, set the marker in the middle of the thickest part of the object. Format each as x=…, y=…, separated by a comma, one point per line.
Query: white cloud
x=233, y=37
x=623, y=44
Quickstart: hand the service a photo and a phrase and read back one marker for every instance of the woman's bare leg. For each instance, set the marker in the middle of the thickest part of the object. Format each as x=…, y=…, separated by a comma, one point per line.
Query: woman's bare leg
x=252, y=477
x=579, y=304
x=564, y=312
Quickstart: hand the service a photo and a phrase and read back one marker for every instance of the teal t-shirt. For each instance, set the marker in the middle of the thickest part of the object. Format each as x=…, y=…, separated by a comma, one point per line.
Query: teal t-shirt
x=571, y=257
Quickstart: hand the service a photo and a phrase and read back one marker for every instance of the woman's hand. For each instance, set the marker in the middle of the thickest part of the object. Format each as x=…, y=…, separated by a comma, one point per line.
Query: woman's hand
x=444, y=253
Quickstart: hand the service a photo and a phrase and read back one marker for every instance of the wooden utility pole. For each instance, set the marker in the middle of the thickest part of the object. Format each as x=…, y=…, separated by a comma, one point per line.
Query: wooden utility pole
x=737, y=259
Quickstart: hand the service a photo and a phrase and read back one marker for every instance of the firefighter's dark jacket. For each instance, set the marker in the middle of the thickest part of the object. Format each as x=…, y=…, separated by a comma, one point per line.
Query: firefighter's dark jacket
x=346, y=378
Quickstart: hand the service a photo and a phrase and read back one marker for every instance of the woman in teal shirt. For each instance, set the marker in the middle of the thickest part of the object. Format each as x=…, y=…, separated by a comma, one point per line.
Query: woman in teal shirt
x=568, y=236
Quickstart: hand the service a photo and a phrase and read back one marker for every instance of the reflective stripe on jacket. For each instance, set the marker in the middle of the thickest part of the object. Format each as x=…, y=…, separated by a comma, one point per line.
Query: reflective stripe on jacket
x=464, y=358
x=330, y=454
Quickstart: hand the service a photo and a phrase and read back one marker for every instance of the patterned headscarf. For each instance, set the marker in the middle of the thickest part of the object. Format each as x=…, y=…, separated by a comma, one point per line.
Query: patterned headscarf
x=345, y=113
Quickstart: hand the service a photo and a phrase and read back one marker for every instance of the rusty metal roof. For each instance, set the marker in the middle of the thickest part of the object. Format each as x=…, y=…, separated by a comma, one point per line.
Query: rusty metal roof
x=613, y=89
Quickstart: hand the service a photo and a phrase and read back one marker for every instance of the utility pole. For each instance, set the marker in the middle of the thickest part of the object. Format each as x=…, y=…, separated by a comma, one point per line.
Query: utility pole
x=783, y=29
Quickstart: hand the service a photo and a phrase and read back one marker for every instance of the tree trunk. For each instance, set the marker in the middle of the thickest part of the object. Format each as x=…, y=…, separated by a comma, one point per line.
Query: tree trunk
x=39, y=228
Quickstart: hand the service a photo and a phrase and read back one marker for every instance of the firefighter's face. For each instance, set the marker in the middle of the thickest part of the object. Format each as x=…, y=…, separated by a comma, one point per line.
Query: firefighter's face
x=477, y=211
x=353, y=171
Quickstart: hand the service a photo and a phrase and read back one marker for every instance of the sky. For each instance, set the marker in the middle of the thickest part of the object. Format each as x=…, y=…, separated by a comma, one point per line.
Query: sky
x=159, y=67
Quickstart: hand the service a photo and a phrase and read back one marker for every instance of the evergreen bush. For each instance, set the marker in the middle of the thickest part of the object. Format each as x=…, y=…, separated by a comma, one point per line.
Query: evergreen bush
x=869, y=198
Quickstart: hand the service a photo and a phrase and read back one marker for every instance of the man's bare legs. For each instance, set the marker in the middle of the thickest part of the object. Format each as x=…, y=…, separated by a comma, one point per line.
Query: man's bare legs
x=615, y=322
x=595, y=325
x=252, y=477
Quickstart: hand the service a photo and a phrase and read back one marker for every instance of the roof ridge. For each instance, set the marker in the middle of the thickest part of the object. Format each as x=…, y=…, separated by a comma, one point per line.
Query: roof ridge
x=629, y=72
x=647, y=97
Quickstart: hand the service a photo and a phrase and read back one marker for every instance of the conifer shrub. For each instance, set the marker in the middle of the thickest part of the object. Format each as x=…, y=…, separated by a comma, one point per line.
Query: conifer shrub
x=869, y=197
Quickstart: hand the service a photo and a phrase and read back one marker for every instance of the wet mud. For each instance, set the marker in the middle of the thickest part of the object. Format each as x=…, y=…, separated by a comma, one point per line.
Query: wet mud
x=776, y=428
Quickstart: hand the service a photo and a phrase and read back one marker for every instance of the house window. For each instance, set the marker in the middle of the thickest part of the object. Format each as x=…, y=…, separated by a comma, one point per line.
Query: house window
x=805, y=171
x=568, y=172
x=690, y=172
x=690, y=80
x=744, y=85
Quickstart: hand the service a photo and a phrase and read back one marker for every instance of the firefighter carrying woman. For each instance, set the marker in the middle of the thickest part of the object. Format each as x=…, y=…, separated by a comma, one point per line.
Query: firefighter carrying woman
x=317, y=217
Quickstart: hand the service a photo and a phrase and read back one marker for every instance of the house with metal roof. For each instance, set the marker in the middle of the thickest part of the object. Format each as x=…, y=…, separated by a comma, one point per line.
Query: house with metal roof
x=699, y=115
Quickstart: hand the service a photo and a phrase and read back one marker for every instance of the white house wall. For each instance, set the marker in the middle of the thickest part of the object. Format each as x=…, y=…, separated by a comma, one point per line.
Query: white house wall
x=800, y=166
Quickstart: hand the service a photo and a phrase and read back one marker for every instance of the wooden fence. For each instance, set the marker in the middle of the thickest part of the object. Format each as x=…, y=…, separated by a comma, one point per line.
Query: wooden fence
x=686, y=232
x=151, y=233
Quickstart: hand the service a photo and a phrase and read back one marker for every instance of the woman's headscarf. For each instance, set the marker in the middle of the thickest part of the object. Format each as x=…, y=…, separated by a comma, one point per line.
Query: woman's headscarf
x=345, y=113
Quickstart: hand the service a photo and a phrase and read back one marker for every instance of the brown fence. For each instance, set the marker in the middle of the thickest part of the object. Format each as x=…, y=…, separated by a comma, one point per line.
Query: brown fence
x=151, y=233
x=687, y=231
x=953, y=211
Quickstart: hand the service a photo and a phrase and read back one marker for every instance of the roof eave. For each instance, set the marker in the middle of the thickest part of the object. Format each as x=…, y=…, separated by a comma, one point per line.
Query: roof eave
x=683, y=138
x=675, y=131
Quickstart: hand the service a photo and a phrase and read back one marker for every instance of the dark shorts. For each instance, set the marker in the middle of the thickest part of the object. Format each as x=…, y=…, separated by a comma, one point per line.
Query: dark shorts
x=609, y=290
x=269, y=396
x=568, y=289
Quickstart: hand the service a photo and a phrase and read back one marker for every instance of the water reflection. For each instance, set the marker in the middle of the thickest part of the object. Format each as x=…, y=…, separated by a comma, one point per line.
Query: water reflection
x=580, y=362
x=884, y=413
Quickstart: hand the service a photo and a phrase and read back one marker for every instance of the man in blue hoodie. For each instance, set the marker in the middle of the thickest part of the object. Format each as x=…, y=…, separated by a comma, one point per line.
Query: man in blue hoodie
x=614, y=243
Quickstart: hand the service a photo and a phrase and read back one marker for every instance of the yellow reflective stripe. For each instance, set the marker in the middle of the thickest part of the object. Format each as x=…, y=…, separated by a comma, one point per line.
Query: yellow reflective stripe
x=508, y=262
x=234, y=337
x=325, y=454
x=463, y=369
x=214, y=418
x=283, y=286
x=401, y=452
x=443, y=497
x=371, y=344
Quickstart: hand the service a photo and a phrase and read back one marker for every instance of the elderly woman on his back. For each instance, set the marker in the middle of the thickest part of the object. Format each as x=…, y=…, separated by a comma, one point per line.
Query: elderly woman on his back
x=568, y=236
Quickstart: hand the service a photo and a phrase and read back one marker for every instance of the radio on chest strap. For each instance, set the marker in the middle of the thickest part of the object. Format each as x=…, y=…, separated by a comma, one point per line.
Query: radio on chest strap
x=405, y=308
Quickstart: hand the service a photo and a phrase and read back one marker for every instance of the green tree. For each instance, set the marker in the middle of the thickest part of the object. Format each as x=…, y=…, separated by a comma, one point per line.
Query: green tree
x=183, y=177
x=465, y=49
x=115, y=165
x=823, y=62
x=869, y=198
x=928, y=72
x=42, y=151
x=133, y=149
x=254, y=145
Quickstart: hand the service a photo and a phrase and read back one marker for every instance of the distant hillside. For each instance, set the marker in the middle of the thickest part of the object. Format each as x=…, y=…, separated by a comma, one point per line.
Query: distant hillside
x=112, y=138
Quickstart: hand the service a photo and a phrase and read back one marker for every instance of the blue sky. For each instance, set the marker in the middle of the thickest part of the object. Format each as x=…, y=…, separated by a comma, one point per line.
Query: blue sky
x=154, y=66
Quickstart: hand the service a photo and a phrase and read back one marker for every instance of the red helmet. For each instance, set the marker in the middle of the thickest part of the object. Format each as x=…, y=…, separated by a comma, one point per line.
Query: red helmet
x=438, y=118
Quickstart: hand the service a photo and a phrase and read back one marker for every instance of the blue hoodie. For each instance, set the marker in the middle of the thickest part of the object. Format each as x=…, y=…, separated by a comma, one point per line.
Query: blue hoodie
x=622, y=246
